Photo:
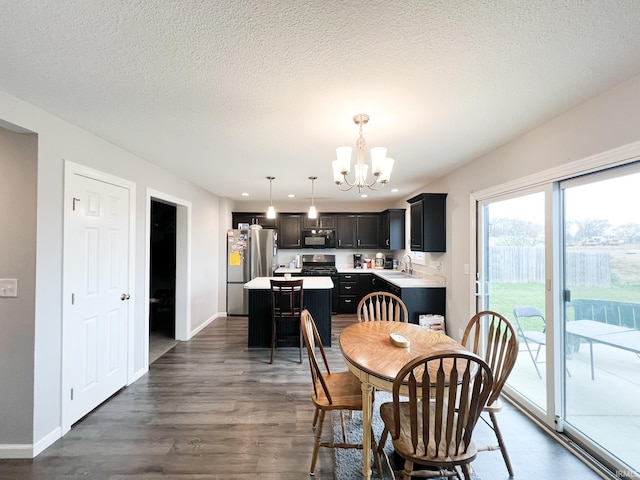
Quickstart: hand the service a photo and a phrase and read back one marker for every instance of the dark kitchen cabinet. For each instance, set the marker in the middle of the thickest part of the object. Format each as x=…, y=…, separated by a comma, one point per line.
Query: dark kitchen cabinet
x=392, y=233
x=368, y=231
x=253, y=219
x=358, y=230
x=428, y=222
x=289, y=231
x=417, y=300
x=354, y=286
x=349, y=291
x=346, y=231
x=323, y=222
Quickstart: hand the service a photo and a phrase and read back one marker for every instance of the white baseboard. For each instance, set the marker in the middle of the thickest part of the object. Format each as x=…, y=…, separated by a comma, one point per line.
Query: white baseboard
x=11, y=450
x=205, y=323
x=46, y=441
x=28, y=450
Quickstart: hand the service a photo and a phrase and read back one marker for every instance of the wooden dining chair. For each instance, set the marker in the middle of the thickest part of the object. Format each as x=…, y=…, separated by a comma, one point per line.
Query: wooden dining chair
x=433, y=425
x=286, y=308
x=493, y=336
x=339, y=391
x=382, y=306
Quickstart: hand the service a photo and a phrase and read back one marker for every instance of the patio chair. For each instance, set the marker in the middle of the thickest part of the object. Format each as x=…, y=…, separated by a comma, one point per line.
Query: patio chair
x=493, y=333
x=534, y=337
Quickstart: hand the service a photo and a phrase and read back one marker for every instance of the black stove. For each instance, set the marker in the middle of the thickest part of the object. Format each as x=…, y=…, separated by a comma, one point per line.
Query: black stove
x=319, y=265
x=323, y=266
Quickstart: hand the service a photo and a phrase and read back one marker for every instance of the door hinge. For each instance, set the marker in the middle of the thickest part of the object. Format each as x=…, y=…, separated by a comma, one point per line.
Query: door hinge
x=74, y=203
x=567, y=296
x=73, y=299
x=72, y=394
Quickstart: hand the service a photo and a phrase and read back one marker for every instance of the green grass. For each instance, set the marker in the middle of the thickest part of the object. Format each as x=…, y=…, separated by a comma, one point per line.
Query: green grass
x=504, y=296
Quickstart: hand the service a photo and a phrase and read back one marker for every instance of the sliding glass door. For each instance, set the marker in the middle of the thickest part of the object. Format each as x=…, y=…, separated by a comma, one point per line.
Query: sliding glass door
x=512, y=281
x=562, y=262
x=602, y=312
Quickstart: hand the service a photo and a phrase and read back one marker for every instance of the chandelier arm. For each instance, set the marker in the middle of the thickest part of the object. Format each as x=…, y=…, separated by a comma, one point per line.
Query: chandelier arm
x=360, y=186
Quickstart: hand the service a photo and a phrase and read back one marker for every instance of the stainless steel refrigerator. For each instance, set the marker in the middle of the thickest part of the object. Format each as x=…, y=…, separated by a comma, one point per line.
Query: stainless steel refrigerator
x=250, y=254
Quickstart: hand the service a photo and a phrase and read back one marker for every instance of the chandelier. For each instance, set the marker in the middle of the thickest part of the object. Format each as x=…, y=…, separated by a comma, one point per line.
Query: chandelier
x=380, y=165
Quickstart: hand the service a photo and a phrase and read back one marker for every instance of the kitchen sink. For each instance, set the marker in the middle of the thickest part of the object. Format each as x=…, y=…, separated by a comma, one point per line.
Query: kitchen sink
x=396, y=274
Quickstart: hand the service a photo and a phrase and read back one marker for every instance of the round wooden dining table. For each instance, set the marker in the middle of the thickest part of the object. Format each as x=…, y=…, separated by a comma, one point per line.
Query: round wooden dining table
x=371, y=356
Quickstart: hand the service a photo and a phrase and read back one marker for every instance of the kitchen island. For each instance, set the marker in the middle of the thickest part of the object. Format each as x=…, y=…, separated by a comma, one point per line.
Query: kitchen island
x=316, y=299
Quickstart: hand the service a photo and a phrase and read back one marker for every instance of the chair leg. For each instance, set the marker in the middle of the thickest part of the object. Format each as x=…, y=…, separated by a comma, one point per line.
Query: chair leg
x=383, y=455
x=408, y=468
x=377, y=462
x=316, y=445
x=534, y=360
x=301, y=344
x=273, y=338
x=466, y=470
x=315, y=418
x=503, y=447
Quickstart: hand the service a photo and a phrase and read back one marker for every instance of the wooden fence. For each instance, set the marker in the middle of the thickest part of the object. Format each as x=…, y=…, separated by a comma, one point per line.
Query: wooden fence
x=526, y=265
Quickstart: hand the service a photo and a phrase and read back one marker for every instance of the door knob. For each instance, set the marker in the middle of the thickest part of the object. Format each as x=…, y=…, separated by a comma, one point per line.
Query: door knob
x=125, y=296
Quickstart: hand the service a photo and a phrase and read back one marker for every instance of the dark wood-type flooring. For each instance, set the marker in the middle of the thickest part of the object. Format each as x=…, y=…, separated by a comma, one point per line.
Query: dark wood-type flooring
x=212, y=409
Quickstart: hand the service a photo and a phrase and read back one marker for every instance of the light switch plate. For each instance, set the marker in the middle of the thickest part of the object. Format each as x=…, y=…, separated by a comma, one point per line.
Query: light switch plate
x=8, y=287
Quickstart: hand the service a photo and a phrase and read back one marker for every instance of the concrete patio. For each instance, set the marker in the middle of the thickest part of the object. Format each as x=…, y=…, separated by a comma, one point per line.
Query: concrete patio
x=605, y=409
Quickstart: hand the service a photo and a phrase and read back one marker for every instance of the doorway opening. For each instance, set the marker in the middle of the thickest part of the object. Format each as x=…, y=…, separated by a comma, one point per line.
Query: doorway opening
x=162, y=279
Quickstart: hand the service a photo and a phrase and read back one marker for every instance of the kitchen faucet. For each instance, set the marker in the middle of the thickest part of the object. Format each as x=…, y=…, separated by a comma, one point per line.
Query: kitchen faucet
x=404, y=268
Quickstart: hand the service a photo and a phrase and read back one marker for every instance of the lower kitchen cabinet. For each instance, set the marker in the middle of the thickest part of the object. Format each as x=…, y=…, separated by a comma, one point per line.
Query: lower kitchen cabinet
x=418, y=300
x=349, y=292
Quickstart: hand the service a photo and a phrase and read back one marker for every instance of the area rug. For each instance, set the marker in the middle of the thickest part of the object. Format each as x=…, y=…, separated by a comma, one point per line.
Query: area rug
x=349, y=461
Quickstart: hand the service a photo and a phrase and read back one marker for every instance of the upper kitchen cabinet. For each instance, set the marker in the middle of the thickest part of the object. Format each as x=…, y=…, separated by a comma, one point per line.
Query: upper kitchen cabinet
x=358, y=230
x=253, y=219
x=289, y=231
x=368, y=231
x=393, y=229
x=428, y=222
x=323, y=222
x=346, y=231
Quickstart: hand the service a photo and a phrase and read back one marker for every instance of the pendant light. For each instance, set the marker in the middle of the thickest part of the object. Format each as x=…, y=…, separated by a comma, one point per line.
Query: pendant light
x=313, y=213
x=271, y=211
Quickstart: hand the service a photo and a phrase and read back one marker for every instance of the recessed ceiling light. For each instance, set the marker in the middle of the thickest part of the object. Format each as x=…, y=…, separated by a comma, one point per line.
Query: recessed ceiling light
x=245, y=194
x=364, y=195
x=291, y=195
x=394, y=190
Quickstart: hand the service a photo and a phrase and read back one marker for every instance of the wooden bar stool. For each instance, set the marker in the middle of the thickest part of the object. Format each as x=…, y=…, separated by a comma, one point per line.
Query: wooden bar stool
x=286, y=309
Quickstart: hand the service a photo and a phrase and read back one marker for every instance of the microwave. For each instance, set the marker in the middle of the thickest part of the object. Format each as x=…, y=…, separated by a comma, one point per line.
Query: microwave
x=318, y=239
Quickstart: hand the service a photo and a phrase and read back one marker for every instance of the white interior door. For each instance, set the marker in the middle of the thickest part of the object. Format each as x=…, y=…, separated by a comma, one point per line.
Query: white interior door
x=95, y=325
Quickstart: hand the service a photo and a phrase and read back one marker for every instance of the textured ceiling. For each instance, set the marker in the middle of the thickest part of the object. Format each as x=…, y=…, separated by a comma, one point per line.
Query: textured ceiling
x=225, y=93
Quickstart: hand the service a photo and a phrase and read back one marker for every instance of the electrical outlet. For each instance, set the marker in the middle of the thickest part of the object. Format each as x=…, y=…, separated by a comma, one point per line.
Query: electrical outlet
x=8, y=287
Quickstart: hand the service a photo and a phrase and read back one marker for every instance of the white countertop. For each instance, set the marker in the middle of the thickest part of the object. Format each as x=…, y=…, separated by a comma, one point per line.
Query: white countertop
x=309, y=283
x=396, y=277
x=292, y=271
x=399, y=279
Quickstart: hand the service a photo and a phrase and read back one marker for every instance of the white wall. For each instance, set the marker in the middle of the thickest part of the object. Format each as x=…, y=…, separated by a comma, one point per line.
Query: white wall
x=57, y=141
x=605, y=122
x=18, y=169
